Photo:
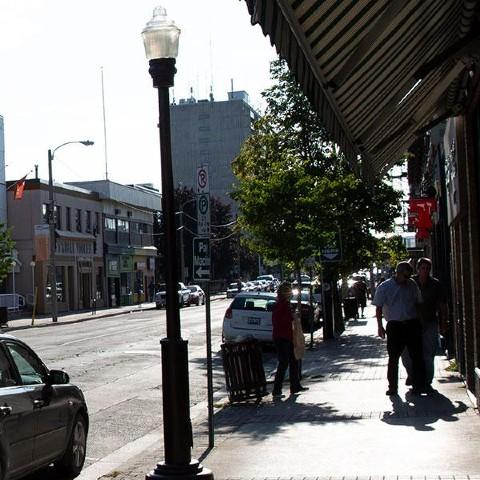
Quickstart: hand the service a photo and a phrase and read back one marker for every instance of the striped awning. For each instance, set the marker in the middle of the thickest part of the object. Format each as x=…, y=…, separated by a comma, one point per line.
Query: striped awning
x=379, y=72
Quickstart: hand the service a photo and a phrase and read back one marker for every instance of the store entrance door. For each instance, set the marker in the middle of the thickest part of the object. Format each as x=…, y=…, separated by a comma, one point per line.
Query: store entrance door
x=85, y=279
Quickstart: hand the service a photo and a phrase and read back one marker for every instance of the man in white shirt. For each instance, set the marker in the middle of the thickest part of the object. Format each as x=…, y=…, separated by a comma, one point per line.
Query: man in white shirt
x=398, y=299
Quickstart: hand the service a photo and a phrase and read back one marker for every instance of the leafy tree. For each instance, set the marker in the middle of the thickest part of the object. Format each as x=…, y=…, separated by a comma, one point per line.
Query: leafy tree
x=296, y=189
x=390, y=251
x=6, y=248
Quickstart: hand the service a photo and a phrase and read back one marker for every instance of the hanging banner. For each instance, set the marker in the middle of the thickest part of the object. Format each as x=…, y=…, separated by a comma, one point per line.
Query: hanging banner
x=420, y=215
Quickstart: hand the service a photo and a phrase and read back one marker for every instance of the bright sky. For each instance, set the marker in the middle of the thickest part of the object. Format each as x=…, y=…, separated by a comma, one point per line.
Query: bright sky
x=51, y=55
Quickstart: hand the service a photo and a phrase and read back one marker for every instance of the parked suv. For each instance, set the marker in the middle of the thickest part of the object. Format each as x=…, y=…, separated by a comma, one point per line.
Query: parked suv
x=183, y=295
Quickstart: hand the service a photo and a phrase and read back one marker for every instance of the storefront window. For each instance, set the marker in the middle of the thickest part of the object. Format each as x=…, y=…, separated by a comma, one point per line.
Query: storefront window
x=99, y=283
x=58, y=217
x=60, y=286
x=45, y=212
x=110, y=224
x=88, y=221
x=122, y=225
x=78, y=220
x=68, y=218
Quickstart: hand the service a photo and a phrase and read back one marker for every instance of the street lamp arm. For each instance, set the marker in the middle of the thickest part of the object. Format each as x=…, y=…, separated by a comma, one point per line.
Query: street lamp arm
x=87, y=143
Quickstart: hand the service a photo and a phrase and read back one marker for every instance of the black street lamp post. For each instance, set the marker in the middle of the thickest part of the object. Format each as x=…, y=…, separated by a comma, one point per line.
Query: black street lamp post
x=160, y=37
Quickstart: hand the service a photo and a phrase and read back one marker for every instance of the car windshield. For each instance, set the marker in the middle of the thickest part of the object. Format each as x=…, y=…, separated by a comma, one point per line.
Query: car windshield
x=233, y=285
x=192, y=289
x=162, y=287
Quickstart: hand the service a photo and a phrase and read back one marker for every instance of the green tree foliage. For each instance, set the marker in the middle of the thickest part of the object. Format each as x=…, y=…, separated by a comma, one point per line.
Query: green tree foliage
x=296, y=189
x=6, y=248
x=390, y=251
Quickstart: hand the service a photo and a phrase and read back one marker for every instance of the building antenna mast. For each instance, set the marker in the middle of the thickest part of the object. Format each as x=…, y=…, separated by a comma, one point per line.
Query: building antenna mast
x=104, y=127
x=211, y=70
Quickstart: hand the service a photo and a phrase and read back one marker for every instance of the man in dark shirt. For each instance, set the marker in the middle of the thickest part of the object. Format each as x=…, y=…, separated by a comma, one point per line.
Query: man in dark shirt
x=359, y=289
x=434, y=316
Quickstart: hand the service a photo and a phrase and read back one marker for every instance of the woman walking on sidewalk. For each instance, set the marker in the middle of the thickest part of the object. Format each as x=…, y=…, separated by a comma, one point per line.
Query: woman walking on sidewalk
x=282, y=334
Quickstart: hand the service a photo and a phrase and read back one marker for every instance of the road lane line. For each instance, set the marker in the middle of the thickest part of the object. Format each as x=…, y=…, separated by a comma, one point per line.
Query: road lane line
x=117, y=332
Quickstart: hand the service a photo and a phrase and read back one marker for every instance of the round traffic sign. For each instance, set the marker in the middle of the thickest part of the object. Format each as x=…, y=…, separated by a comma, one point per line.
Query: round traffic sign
x=202, y=178
x=203, y=204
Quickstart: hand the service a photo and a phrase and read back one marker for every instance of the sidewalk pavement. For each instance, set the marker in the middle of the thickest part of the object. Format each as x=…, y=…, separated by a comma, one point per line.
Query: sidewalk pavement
x=344, y=426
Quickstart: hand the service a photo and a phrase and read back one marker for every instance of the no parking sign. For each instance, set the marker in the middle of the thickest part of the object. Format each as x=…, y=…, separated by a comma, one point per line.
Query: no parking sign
x=203, y=201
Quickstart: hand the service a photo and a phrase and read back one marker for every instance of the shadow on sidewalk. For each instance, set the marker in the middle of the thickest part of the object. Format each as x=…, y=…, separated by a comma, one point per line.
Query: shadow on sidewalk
x=421, y=412
x=261, y=421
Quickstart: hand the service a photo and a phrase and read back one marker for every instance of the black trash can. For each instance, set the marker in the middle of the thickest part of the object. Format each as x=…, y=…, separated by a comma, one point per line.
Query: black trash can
x=3, y=316
x=350, y=307
x=244, y=373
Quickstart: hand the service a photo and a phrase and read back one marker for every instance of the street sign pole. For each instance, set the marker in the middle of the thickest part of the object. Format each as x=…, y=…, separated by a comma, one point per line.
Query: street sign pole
x=201, y=272
x=312, y=311
x=211, y=437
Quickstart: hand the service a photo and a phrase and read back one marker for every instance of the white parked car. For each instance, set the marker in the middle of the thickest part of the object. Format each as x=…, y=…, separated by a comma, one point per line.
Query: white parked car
x=256, y=286
x=271, y=281
x=235, y=288
x=183, y=296
x=197, y=295
x=249, y=315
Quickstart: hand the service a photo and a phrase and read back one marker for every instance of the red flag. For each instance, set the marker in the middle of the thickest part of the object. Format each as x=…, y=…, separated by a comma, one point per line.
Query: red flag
x=19, y=187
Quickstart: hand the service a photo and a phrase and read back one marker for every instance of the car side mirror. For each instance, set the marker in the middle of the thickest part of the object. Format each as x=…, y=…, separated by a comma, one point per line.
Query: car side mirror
x=57, y=377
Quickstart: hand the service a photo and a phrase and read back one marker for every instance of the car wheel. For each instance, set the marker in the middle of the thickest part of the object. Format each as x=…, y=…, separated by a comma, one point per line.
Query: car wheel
x=73, y=459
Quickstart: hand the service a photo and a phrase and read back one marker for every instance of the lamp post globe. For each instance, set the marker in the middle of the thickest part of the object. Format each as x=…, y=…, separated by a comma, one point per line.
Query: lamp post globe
x=160, y=38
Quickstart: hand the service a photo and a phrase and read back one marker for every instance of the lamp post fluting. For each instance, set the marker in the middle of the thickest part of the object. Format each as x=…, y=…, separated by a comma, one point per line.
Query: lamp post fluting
x=160, y=37
x=52, y=225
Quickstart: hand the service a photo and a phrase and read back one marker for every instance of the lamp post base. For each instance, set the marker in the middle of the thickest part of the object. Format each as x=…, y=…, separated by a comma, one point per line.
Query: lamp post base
x=194, y=471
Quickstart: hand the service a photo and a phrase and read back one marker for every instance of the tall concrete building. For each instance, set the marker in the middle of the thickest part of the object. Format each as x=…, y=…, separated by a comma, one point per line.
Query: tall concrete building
x=206, y=132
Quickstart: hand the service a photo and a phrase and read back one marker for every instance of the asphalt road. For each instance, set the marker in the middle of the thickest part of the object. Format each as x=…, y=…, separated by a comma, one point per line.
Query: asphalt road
x=116, y=362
